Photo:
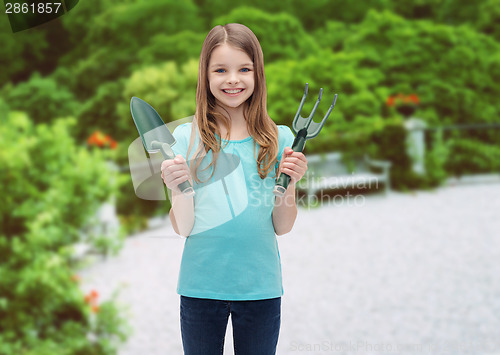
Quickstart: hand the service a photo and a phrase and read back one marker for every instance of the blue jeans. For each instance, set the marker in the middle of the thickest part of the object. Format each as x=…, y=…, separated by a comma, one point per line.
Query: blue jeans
x=256, y=325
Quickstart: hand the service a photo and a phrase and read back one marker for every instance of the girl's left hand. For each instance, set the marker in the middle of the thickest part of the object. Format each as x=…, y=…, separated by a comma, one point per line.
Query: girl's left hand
x=294, y=164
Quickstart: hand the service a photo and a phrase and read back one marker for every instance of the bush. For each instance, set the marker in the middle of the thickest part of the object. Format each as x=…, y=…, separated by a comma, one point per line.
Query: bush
x=42, y=98
x=280, y=35
x=469, y=156
x=436, y=156
x=51, y=189
x=178, y=47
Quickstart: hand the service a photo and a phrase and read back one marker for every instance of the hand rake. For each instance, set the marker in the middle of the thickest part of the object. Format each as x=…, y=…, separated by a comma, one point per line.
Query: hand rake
x=304, y=129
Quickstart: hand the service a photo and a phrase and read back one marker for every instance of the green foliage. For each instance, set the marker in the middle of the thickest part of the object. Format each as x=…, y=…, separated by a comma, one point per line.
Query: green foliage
x=314, y=14
x=333, y=35
x=435, y=159
x=169, y=88
x=133, y=211
x=29, y=51
x=472, y=156
x=51, y=189
x=281, y=36
x=116, y=27
x=99, y=112
x=179, y=47
x=311, y=14
x=489, y=17
x=42, y=98
x=453, y=86
x=51, y=183
x=98, y=68
x=111, y=42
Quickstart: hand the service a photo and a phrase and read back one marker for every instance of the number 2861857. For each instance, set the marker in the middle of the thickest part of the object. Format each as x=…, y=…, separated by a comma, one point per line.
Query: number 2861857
x=33, y=8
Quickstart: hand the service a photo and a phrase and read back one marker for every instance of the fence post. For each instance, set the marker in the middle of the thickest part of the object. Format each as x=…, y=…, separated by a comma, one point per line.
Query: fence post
x=415, y=143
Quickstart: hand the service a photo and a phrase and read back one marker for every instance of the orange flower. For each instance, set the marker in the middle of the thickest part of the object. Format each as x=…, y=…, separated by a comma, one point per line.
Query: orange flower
x=400, y=99
x=99, y=139
x=91, y=297
x=92, y=139
x=414, y=98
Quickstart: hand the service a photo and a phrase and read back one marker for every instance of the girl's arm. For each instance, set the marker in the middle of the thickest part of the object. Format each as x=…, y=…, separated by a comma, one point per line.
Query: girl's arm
x=174, y=172
x=182, y=213
x=285, y=210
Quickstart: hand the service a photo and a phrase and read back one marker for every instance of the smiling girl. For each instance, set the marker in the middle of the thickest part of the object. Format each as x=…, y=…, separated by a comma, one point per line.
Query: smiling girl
x=231, y=265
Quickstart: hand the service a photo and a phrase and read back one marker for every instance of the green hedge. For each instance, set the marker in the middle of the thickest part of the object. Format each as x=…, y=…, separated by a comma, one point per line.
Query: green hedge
x=50, y=190
x=468, y=156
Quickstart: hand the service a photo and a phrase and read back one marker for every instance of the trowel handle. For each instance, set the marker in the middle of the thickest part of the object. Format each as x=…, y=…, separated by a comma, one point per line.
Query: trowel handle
x=168, y=153
x=284, y=179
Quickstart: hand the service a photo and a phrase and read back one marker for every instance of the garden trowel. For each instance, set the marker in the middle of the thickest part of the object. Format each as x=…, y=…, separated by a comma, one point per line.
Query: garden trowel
x=154, y=134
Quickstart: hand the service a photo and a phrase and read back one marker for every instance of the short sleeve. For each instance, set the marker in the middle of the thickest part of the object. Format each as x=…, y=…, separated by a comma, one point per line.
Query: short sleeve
x=286, y=139
x=182, y=135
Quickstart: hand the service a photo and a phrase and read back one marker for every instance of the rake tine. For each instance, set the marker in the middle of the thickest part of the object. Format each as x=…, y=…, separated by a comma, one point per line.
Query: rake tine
x=330, y=109
x=297, y=115
x=313, y=131
x=315, y=107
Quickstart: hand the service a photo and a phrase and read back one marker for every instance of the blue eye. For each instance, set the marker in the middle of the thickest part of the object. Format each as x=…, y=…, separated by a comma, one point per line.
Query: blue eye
x=219, y=70
x=245, y=70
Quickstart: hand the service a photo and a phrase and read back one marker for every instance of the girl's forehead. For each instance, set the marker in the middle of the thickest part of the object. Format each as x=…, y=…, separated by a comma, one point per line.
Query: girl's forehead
x=226, y=54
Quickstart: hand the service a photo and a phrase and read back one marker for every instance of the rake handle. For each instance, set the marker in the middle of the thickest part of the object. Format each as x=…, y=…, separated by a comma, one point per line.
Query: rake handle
x=168, y=153
x=284, y=179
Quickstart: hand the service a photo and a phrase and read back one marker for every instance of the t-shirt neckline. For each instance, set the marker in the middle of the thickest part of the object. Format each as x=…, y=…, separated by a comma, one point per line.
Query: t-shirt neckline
x=235, y=140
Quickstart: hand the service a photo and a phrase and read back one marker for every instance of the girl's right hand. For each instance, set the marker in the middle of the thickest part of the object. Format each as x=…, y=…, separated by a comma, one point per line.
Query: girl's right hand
x=174, y=172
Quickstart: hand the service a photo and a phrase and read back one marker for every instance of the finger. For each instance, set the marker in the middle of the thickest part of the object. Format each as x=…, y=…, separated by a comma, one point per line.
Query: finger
x=166, y=163
x=175, y=167
x=179, y=159
x=299, y=168
x=295, y=160
x=179, y=180
x=298, y=155
x=293, y=174
x=301, y=156
x=173, y=182
x=176, y=174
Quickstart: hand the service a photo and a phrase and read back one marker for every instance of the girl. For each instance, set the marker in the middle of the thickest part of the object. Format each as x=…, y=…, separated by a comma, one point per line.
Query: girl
x=231, y=265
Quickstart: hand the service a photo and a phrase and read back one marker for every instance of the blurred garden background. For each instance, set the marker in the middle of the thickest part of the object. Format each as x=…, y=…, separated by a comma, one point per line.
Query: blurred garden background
x=65, y=128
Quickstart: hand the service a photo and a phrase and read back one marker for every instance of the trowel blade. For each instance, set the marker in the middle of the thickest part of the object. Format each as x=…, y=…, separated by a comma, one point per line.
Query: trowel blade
x=149, y=124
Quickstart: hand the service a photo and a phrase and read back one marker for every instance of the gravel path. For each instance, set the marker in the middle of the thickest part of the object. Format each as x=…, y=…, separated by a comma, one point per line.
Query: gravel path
x=415, y=273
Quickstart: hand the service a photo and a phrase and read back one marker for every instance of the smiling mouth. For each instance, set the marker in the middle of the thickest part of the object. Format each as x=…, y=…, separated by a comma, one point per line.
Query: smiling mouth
x=232, y=91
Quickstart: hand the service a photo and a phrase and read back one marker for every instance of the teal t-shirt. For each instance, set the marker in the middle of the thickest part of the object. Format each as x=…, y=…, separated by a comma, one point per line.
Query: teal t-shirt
x=232, y=251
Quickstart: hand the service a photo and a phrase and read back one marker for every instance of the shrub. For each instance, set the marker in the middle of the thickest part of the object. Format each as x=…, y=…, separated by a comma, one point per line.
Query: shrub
x=50, y=188
x=468, y=156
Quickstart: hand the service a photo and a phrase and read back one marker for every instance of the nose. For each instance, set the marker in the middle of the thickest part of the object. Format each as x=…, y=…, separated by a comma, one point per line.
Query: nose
x=233, y=78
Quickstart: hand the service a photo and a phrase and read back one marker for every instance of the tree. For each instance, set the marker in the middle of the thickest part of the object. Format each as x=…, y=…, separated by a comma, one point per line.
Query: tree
x=42, y=98
x=280, y=35
x=50, y=189
x=168, y=87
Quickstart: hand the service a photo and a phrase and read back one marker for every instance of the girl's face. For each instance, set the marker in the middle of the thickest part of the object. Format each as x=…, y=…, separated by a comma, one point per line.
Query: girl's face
x=231, y=76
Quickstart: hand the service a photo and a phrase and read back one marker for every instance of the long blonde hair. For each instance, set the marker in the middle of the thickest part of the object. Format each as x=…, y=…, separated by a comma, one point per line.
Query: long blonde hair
x=259, y=125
